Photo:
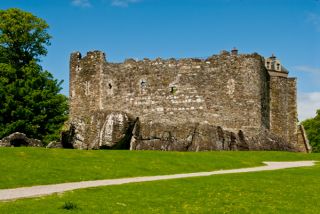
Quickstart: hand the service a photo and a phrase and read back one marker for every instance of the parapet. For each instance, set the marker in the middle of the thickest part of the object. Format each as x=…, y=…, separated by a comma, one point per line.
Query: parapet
x=98, y=55
x=90, y=56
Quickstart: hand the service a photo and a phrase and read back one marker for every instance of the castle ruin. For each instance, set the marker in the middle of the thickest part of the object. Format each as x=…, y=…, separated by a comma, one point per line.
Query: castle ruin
x=228, y=101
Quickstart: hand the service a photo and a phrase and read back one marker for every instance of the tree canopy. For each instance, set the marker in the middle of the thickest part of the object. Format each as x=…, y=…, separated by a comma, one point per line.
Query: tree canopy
x=312, y=127
x=23, y=36
x=30, y=99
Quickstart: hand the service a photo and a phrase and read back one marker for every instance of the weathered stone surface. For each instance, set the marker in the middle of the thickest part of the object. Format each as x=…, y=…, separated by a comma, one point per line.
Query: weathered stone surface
x=223, y=90
x=74, y=136
x=103, y=130
x=185, y=137
x=225, y=102
x=18, y=139
x=302, y=144
x=54, y=145
x=266, y=140
x=201, y=137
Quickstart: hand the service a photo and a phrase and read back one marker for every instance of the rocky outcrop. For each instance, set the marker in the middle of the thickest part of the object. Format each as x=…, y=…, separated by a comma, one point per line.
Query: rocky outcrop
x=201, y=137
x=118, y=130
x=266, y=140
x=18, y=139
x=111, y=130
x=72, y=137
x=186, y=137
x=54, y=145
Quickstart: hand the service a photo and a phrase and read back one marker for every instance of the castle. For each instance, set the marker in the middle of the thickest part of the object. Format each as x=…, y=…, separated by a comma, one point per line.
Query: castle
x=228, y=101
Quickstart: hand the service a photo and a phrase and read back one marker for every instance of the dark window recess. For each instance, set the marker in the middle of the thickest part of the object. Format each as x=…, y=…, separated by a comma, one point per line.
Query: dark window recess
x=173, y=89
x=143, y=84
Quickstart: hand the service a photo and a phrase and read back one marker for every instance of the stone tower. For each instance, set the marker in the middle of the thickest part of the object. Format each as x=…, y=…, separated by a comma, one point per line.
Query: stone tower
x=283, y=104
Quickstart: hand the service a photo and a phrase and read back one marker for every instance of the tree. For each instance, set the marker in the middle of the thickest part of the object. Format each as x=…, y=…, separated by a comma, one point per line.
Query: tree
x=23, y=36
x=30, y=99
x=312, y=127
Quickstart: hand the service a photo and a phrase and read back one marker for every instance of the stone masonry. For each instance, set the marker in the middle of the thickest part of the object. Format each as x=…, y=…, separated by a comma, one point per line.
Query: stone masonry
x=228, y=101
x=18, y=139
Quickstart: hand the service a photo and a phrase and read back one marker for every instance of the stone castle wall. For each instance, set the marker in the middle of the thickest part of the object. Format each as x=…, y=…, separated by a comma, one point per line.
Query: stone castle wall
x=283, y=107
x=231, y=92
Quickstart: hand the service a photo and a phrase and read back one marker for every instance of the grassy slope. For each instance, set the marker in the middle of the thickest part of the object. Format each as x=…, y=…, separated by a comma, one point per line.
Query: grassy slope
x=283, y=191
x=34, y=166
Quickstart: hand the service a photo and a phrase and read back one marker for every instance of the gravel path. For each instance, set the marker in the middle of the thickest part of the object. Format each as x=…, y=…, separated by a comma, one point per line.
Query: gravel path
x=36, y=191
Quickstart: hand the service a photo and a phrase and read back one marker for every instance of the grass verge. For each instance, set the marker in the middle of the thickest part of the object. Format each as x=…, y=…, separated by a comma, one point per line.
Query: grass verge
x=282, y=191
x=35, y=166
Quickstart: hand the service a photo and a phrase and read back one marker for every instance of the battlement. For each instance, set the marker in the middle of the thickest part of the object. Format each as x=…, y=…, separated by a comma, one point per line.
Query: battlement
x=99, y=56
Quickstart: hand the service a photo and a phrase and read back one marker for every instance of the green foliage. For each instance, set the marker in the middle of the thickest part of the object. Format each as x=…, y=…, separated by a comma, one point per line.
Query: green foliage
x=30, y=99
x=312, y=127
x=69, y=205
x=23, y=36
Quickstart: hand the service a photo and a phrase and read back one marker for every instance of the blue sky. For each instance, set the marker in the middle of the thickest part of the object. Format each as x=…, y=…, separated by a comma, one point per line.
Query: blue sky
x=185, y=28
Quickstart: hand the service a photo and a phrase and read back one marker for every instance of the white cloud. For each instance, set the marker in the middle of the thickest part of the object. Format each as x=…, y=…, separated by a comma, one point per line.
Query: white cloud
x=123, y=3
x=308, y=103
x=81, y=3
x=314, y=19
x=308, y=69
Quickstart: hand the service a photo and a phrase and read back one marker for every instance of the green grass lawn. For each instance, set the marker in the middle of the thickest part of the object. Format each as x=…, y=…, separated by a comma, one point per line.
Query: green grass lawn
x=34, y=166
x=283, y=191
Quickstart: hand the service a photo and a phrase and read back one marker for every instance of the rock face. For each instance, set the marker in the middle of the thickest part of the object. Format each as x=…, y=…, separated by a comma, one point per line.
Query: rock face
x=111, y=130
x=186, y=137
x=118, y=130
x=201, y=137
x=225, y=102
x=54, y=145
x=19, y=139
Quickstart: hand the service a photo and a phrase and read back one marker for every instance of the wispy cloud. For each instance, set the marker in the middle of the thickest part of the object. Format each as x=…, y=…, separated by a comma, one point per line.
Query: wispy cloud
x=81, y=3
x=305, y=68
x=308, y=103
x=314, y=19
x=123, y=3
